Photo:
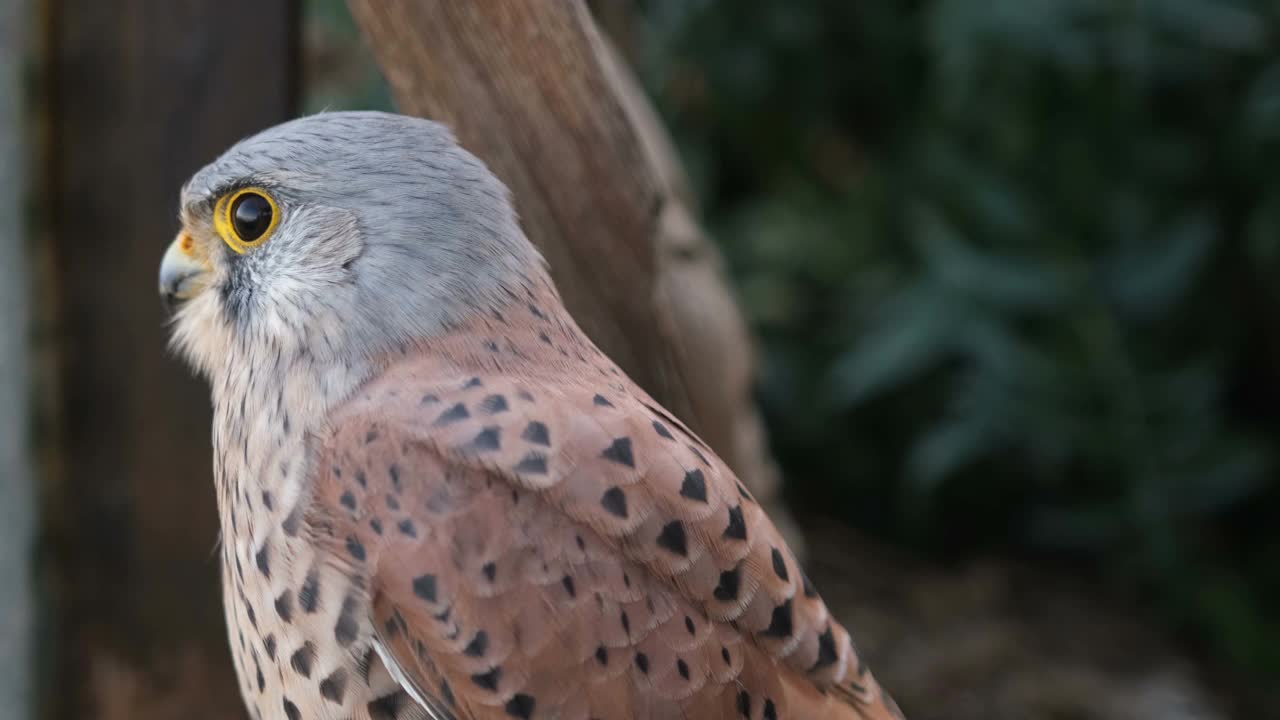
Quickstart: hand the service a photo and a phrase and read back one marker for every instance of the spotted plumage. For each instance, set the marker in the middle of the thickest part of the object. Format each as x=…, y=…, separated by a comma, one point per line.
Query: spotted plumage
x=438, y=498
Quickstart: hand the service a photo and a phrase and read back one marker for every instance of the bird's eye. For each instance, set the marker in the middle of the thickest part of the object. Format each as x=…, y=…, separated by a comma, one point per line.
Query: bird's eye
x=247, y=218
x=251, y=216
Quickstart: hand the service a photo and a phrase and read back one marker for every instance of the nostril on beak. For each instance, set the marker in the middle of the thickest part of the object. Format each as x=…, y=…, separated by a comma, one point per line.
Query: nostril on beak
x=168, y=303
x=181, y=274
x=174, y=291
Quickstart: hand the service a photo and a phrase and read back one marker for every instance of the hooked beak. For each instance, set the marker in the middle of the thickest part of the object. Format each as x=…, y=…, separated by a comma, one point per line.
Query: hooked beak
x=183, y=272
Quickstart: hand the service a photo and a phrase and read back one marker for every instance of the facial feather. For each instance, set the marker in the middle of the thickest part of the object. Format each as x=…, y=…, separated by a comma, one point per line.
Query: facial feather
x=389, y=232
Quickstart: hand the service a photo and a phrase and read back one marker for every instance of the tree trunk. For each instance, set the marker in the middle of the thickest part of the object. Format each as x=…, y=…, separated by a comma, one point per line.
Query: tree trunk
x=539, y=95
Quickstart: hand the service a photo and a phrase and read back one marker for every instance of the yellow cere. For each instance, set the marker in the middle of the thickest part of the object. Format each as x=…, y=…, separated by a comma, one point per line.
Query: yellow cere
x=193, y=250
x=225, y=228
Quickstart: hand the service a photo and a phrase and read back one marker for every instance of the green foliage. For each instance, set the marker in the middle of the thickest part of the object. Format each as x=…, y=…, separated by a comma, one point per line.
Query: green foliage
x=1013, y=266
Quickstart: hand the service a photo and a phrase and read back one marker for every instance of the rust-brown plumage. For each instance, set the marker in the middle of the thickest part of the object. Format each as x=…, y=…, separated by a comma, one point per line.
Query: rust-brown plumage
x=540, y=539
x=438, y=499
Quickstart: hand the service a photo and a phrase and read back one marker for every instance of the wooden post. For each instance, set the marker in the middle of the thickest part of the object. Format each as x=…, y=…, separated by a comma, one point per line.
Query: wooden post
x=537, y=92
x=144, y=92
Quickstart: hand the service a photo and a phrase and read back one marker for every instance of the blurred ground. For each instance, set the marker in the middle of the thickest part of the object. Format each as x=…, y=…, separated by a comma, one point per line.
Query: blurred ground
x=990, y=639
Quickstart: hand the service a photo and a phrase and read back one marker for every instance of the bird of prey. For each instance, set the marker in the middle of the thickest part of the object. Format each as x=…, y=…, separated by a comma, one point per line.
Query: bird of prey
x=438, y=498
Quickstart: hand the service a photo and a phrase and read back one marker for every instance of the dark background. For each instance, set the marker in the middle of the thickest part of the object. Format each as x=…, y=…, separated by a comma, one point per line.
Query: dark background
x=1011, y=268
x=1014, y=266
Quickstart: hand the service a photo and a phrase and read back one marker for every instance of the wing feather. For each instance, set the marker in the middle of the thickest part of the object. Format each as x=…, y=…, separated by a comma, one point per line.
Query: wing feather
x=554, y=549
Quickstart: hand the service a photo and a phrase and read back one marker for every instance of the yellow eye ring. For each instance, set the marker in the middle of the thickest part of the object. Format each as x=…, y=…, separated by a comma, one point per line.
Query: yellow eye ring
x=246, y=218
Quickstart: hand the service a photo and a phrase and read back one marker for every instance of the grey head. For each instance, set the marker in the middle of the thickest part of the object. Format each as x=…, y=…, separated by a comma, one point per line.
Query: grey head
x=340, y=235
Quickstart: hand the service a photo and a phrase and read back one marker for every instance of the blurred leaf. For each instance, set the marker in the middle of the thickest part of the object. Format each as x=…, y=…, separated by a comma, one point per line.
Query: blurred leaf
x=911, y=335
x=1215, y=24
x=1261, y=107
x=1050, y=30
x=946, y=448
x=1232, y=476
x=1147, y=280
x=1005, y=281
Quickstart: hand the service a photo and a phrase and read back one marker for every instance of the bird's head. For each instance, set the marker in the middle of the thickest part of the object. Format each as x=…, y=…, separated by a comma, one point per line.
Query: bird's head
x=340, y=235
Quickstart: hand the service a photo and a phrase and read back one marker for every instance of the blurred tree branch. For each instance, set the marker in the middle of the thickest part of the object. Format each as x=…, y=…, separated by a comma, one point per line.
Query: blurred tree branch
x=545, y=100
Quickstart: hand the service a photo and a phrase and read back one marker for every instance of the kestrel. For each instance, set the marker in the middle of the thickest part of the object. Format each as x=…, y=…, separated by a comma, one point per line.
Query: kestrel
x=438, y=498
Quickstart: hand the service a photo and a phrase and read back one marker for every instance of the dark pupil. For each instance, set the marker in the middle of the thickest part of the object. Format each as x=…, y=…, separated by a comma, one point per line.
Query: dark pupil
x=251, y=216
